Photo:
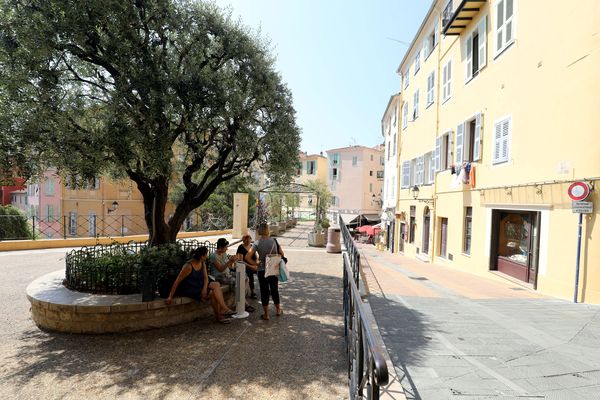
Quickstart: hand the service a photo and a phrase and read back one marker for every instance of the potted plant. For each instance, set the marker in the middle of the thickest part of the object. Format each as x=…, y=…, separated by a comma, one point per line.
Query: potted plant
x=317, y=237
x=261, y=216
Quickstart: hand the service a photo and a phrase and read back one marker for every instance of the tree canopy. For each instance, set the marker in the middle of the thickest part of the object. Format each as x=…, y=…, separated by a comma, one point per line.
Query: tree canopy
x=135, y=87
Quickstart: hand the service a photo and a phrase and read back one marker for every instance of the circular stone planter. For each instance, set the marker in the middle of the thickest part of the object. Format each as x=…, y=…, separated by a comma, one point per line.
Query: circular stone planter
x=56, y=308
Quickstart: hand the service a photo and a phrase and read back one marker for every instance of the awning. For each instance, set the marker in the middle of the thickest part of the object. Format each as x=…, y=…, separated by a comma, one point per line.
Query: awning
x=363, y=219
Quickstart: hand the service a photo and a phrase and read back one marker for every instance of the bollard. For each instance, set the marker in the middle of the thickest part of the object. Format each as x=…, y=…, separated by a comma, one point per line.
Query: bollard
x=240, y=290
x=333, y=240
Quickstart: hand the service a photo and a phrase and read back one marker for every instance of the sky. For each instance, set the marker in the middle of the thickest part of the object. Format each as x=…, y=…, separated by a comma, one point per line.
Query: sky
x=339, y=58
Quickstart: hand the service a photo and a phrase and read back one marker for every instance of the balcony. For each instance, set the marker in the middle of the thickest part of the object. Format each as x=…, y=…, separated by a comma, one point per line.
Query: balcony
x=454, y=21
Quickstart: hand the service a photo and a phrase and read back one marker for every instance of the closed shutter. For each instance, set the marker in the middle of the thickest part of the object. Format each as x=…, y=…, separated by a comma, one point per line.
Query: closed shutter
x=420, y=170
x=482, y=27
x=449, y=160
x=426, y=48
x=405, y=174
x=505, y=134
x=438, y=152
x=469, y=63
x=449, y=82
x=477, y=137
x=497, y=141
x=460, y=129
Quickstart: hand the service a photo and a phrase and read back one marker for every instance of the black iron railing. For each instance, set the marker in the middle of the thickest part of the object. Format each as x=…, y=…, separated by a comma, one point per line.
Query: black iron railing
x=126, y=268
x=367, y=368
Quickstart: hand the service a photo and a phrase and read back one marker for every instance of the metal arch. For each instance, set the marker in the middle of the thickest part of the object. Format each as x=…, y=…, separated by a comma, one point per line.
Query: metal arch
x=291, y=188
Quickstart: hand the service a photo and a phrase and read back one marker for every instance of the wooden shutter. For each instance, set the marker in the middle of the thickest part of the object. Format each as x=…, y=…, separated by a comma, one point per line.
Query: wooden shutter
x=469, y=63
x=437, y=153
x=477, y=137
x=460, y=130
x=482, y=27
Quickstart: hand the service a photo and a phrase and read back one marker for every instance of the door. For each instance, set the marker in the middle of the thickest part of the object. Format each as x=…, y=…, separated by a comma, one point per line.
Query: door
x=402, y=237
x=426, y=223
x=517, y=245
x=393, y=239
x=444, y=237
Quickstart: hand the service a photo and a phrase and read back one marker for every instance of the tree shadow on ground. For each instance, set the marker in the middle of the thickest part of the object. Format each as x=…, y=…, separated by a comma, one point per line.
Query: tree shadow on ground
x=406, y=334
x=294, y=356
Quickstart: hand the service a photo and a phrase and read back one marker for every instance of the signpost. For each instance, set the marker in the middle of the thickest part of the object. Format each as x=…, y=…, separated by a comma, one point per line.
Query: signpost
x=579, y=191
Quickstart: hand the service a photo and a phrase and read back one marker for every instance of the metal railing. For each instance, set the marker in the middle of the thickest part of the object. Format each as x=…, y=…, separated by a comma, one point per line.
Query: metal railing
x=78, y=226
x=367, y=368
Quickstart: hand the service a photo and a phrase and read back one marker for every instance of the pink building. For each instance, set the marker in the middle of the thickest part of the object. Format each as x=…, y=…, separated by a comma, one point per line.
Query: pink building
x=356, y=182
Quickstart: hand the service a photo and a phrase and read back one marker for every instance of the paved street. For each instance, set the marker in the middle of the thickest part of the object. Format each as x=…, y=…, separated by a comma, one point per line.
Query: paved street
x=297, y=356
x=454, y=335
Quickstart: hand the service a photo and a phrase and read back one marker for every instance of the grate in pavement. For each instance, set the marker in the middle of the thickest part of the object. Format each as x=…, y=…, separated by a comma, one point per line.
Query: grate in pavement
x=418, y=278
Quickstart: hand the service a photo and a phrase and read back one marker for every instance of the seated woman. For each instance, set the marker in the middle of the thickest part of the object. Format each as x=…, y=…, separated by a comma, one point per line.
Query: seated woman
x=193, y=282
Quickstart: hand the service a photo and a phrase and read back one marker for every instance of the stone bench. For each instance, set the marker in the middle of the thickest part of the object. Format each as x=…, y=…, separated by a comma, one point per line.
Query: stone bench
x=56, y=308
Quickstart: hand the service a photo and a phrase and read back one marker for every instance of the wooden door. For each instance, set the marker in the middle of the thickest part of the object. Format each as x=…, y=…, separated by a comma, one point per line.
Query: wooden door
x=444, y=237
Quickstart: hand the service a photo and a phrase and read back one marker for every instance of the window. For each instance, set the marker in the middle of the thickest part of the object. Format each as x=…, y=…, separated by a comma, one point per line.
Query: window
x=504, y=25
x=395, y=116
x=388, y=150
x=447, y=81
x=468, y=140
x=419, y=164
x=427, y=169
x=413, y=170
x=50, y=213
x=50, y=187
x=405, y=115
x=444, y=237
x=406, y=78
x=335, y=159
x=430, y=43
x=371, y=157
x=371, y=187
x=354, y=161
x=476, y=50
x=431, y=169
x=394, y=145
x=501, y=140
x=430, y=92
x=311, y=167
x=468, y=226
x=370, y=173
x=417, y=61
x=443, y=151
x=411, y=228
x=416, y=105
x=335, y=174
x=379, y=174
x=405, y=174
x=381, y=160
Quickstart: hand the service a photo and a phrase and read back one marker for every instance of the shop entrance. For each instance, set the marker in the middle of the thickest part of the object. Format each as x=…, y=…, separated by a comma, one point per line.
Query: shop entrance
x=516, y=243
x=426, y=223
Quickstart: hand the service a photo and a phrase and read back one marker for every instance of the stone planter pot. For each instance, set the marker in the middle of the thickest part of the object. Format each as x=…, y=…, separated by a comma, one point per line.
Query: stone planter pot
x=289, y=224
x=282, y=227
x=295, y=221
x=316, y=239
x=274, y=229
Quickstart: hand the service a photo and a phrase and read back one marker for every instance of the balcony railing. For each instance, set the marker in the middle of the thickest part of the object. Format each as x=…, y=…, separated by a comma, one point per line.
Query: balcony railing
x=454, y=21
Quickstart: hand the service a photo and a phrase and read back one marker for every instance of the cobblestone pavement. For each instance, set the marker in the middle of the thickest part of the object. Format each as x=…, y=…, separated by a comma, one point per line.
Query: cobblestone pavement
x=297, y=356
x=454, y=335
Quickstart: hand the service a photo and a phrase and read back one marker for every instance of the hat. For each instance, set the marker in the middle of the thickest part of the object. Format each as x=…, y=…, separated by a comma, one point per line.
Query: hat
x=222, y=242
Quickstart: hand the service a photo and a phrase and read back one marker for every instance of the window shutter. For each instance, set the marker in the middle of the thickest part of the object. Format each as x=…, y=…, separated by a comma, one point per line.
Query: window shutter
x=505, y=134
x=469, y=63
x=420, y=169
x=497, y=141
x=482, y=42
x=438, y=152
x=477, y=137
x=449, y=160
x=436, y=36
x=405, y=174
x=459, y=143
x=426, y=48
x=499, y=25
x=449, y=83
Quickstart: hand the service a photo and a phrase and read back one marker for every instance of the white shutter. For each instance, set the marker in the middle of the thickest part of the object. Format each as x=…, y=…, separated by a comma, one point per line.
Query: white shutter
x=497, y=141
x=460, y=129
x=432, y=167
x=420, y=170
x=505, y=134
x=449, y=160
x=405, y=115
x=482, y=27
x=449, y=83
x=426, y=48
x=477, y=137
x=499, y=25
x=469, y=63
x=438, y=152
x=405, y=174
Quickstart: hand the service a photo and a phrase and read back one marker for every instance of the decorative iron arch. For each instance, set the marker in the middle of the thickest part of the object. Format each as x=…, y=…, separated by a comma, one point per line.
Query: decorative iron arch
x=291, y=188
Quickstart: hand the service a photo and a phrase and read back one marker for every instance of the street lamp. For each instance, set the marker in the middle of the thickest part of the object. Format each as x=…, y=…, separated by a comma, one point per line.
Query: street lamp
x=113, y=207
x=415, y=192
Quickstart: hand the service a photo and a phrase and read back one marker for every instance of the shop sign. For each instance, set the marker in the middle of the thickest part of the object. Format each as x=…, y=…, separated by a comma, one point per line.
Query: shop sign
x=583, y=207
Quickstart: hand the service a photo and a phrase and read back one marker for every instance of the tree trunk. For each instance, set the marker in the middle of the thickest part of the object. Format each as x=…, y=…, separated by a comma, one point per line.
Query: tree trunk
x=155, y=202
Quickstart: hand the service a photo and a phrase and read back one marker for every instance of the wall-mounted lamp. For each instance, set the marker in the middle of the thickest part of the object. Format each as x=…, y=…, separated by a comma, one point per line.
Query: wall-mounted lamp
x=538, y=189
x=113, y=207
x=508, y=191
x=376, y=199
x=415, y=192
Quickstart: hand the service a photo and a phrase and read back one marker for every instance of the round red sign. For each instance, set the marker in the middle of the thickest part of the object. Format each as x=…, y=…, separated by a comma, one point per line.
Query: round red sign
x=578, y=191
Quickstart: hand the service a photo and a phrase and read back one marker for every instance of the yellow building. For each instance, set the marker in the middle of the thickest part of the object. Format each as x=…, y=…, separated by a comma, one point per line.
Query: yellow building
x=500, y=115
x=311, y=167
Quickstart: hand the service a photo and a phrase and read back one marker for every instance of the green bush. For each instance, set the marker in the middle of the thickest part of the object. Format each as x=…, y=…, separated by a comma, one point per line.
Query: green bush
x=13, y=224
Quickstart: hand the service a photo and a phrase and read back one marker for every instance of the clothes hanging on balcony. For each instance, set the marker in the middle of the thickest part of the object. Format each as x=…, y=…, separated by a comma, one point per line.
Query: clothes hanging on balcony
x=472, y=176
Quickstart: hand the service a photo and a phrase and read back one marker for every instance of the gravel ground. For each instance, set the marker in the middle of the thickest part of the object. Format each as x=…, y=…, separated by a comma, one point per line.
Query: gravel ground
x=299, y=355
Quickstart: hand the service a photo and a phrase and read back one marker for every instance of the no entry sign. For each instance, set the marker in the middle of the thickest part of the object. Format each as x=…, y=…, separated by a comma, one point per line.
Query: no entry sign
x=578, y=191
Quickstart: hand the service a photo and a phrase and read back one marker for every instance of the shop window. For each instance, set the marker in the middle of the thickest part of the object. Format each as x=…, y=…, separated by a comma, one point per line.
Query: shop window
x=468, y=228
x=412, y=224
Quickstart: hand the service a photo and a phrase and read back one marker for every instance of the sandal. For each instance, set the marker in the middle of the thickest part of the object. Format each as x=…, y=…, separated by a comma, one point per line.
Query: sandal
x=224, y=321
x=264, y=318
x=228, y=313
x=279, y=313
x=250, y=309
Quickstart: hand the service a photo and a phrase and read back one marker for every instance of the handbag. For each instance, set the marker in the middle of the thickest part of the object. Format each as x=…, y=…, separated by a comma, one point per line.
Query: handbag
x=284, y=274
x=272, y=263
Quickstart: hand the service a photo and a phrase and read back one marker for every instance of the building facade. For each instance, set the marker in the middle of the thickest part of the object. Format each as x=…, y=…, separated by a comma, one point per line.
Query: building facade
x=311, y=167
x=389, y=131
x=498, y=118
x=355, y=178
